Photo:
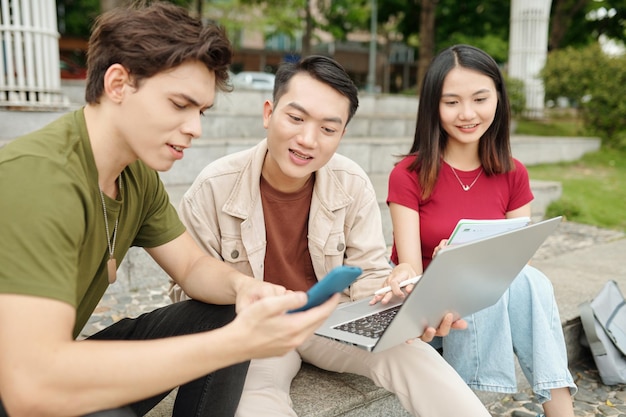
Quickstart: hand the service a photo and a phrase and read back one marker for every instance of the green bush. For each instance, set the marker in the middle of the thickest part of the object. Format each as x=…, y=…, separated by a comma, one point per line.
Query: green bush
x=563, y=207
x=593, y=81
x=517, y=95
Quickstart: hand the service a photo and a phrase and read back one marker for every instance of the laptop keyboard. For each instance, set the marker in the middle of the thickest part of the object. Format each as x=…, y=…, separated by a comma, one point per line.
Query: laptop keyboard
x=370, y=326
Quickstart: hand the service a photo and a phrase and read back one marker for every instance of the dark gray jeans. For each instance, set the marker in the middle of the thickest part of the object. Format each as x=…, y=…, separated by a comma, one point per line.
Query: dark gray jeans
x=216, y=394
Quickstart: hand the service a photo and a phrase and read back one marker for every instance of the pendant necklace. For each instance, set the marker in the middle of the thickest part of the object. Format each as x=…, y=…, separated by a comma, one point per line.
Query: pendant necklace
x=111, y=263
x=465, y=186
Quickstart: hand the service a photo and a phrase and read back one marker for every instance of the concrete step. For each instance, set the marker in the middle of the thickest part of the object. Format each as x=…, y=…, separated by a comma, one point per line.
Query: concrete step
x=377, y=155
x=239, y=114
x=345, y=395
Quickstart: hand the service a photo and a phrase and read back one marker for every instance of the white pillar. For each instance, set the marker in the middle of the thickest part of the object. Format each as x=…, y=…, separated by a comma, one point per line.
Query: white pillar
x=29, y=58
x=528, y=49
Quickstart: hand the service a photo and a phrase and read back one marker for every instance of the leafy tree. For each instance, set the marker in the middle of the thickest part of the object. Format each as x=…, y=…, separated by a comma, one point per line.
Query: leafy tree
x=563, y=15
x=581, y=22
x=592, y=80
x=287, y=17
x=76, y=17
x=443, y=23
x=426, y=38
x=484, y=24
x=481, y=23
x=341, y=17
x=572, y=72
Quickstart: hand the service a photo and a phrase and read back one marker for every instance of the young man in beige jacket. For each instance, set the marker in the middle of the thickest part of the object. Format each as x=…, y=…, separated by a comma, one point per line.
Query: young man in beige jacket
x=289, y=210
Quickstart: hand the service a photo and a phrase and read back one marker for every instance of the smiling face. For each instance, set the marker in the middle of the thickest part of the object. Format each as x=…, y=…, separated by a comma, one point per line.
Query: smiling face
x=159, y=119
x=304, y=129
x=468, y=105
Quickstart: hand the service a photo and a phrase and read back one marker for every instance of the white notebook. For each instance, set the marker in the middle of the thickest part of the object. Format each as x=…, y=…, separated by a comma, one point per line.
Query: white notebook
x=468, y=230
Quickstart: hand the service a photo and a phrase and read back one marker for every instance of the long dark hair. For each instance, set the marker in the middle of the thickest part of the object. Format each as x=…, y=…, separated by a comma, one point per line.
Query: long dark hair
x=430, y=139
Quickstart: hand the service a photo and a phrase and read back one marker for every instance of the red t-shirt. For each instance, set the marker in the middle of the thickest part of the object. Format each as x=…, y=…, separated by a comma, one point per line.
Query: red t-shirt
x=491, y=197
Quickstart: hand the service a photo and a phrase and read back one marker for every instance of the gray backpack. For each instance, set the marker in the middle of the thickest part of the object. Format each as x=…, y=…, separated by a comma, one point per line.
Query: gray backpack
x=604, y=325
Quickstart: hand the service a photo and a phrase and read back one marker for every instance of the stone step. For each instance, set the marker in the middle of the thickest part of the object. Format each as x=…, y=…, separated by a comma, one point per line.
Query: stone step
x=377, y=155
x=335, y=394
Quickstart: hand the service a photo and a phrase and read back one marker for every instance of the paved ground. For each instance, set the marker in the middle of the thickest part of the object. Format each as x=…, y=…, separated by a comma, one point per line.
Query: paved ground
x=577, y=258
x=594, y=399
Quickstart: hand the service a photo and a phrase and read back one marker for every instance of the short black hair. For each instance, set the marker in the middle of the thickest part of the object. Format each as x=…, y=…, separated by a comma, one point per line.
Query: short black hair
x=323, y=69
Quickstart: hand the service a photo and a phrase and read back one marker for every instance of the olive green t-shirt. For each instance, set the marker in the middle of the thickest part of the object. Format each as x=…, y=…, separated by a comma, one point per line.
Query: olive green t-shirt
x=53, y=241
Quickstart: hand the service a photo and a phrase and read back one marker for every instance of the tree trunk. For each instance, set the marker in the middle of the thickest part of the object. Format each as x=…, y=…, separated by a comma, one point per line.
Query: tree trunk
x=308, y=30
x=564, y=11
x=426, y=39
x=387, y=65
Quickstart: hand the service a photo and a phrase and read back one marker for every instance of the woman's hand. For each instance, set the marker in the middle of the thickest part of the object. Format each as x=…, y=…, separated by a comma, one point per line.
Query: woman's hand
x=442, y=244
x=400, y=273
x=444, y=328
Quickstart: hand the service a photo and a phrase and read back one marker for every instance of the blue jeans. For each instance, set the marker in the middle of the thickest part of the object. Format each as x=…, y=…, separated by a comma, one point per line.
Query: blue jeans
x=524, y=322
x=215, y=394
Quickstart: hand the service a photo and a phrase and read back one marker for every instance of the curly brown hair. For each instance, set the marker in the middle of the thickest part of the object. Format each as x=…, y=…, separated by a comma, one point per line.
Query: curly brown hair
x=150, y=39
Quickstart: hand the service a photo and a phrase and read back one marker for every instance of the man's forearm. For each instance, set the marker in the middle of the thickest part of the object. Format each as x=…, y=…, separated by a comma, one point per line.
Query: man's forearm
x=213, y=281
x=87, y=376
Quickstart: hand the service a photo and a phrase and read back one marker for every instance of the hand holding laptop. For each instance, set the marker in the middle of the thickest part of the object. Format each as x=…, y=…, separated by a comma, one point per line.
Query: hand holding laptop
x=465, y=231
x=460, y=280
x=448, y=322
x=386, y=294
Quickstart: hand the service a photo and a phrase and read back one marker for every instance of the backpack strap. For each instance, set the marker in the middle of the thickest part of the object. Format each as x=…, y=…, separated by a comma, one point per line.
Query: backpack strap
x=589, y=326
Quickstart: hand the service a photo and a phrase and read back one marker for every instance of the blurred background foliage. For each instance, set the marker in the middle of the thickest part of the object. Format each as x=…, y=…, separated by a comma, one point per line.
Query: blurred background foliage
x=577, y=70
x=592, y=82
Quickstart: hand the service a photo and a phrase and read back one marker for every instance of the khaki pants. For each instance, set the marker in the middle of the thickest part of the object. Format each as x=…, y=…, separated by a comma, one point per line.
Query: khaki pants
x=423, y=382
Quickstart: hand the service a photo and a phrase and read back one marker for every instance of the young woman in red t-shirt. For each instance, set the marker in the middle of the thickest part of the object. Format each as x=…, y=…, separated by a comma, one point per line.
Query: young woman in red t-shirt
x=460, y=166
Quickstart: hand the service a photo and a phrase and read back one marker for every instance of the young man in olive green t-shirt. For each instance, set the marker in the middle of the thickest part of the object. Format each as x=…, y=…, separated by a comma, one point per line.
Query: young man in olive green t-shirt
x=78, y=193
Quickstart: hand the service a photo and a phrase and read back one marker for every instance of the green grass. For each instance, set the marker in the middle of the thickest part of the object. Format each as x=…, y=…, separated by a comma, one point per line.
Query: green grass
x=594, y=188
x=552, y=127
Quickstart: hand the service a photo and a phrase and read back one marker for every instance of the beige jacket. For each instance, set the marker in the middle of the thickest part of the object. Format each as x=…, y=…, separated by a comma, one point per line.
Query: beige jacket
x=223, y=212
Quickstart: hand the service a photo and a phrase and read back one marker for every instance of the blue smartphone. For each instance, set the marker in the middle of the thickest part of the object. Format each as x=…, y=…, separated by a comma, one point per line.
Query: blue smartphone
x=337, y=280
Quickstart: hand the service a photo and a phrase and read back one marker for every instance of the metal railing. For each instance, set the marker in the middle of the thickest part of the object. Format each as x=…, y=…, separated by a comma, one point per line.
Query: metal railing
x=29, y=60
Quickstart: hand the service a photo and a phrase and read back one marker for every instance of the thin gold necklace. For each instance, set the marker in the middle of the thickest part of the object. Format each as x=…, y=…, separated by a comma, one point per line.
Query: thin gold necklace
x=111, y=263
x=465, y=186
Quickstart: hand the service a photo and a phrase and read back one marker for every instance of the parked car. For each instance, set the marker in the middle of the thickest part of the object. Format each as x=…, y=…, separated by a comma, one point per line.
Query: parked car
x=70, y=70
x=254, y=80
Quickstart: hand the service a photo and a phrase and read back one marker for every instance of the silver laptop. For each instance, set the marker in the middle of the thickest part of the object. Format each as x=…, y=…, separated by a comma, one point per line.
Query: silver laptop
x=461, y=279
